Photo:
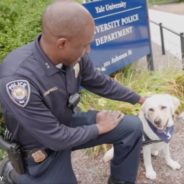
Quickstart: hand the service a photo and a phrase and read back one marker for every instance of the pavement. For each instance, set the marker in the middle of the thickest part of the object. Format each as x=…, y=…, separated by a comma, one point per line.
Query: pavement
x=173, y=21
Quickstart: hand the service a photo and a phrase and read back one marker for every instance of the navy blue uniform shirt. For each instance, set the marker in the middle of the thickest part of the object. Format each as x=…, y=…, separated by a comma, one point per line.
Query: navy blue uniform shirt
x=34, y=94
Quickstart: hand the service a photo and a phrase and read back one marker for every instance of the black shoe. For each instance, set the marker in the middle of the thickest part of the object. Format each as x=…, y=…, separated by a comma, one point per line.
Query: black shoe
x=113, y=181
x=6, y=172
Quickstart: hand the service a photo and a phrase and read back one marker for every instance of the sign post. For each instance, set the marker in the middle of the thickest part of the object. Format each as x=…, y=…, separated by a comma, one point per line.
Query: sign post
x=121, y=33
x=149, y=56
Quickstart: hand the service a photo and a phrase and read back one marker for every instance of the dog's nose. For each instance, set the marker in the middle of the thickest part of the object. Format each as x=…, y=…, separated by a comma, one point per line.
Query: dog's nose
x=157, y=122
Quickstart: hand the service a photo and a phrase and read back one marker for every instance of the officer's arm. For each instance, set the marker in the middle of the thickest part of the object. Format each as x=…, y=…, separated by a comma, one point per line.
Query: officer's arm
x=38, y=120
x=103, y=85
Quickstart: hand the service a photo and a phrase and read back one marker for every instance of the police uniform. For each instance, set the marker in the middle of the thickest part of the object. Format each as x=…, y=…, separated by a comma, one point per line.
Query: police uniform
x=34, y=97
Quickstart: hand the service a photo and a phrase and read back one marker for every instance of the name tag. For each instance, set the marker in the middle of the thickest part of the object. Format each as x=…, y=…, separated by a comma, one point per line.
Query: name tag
x=50, y=91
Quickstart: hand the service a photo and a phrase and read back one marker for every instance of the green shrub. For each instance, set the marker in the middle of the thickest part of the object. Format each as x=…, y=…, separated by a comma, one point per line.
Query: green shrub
x=19, y=23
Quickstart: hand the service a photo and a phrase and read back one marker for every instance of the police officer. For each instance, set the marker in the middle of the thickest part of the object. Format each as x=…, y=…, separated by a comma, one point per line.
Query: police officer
x=38, y=84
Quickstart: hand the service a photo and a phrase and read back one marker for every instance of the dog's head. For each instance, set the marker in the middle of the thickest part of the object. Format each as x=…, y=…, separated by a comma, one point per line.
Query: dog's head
x=159, y=109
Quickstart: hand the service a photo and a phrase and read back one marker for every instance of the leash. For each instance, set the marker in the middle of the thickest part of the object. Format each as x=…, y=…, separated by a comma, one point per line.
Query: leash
x=147, y=140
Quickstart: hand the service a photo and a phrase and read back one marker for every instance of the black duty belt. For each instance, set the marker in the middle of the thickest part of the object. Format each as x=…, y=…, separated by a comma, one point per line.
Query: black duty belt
x=37, y=155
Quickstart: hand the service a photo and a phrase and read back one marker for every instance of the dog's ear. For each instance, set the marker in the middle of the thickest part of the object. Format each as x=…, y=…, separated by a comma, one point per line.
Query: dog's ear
x=143, y=107
x=175, y=102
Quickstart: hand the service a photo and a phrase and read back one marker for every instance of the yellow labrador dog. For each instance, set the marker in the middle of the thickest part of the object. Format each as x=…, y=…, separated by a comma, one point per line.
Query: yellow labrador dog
x=156, y=115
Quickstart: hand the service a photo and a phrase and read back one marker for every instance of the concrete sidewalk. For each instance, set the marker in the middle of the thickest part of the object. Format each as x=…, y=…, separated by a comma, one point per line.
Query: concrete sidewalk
x=176, y=8
x=172, y=21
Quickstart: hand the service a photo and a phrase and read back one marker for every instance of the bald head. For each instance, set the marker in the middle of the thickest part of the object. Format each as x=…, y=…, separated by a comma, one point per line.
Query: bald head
x=65, y=18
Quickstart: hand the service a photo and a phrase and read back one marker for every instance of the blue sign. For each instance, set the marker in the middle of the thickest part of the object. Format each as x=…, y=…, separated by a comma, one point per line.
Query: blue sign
x=121, y=33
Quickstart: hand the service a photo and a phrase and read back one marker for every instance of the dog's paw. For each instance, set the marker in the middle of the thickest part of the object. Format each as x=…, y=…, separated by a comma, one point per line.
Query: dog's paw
x=151, y=175
x=174, y=164
x=108, y=155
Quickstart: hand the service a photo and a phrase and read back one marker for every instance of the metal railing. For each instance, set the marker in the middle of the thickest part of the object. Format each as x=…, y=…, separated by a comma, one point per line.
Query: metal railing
x=181, y=35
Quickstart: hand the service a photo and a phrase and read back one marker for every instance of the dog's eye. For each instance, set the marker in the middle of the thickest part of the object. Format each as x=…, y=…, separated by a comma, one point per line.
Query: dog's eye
x=151, y=109
x=163, y=107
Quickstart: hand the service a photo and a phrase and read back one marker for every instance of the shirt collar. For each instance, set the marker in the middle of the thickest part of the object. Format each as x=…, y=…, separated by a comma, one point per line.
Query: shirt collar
x=59, y=65
x=47, y=64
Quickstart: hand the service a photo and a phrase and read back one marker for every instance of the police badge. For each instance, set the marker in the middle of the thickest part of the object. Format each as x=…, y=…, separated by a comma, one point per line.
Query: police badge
x=19, y=92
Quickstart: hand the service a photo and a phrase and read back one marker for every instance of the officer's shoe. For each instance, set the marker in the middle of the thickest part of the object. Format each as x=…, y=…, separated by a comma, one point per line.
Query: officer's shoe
x=6, y=174
x=113, y=181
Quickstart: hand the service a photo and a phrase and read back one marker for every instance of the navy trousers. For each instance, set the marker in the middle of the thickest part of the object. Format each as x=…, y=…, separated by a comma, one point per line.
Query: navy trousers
x=127, y=141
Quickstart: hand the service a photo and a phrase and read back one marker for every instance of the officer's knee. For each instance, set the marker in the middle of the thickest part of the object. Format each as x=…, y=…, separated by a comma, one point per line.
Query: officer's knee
x=132, y=125
x=138, y=128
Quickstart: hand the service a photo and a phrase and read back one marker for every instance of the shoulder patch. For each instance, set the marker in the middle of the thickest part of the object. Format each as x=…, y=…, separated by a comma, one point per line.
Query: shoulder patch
x=19, y=92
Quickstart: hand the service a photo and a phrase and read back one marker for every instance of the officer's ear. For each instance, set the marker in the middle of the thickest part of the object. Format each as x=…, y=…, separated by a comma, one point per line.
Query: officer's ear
x=62, y=43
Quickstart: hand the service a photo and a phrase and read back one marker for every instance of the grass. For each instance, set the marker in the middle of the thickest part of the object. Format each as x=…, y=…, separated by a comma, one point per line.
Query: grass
x=159, y=2
x=143, y=82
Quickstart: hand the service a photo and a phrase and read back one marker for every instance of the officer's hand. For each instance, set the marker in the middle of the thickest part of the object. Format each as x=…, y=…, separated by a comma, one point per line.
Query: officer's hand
x=142, y=99
x=107, y=120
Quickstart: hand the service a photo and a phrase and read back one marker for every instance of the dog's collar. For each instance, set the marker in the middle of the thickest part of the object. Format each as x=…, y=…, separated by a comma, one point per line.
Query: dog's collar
x=163, y=135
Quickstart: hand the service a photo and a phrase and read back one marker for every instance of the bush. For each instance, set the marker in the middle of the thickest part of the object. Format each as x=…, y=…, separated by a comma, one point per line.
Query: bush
x=19, y=23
